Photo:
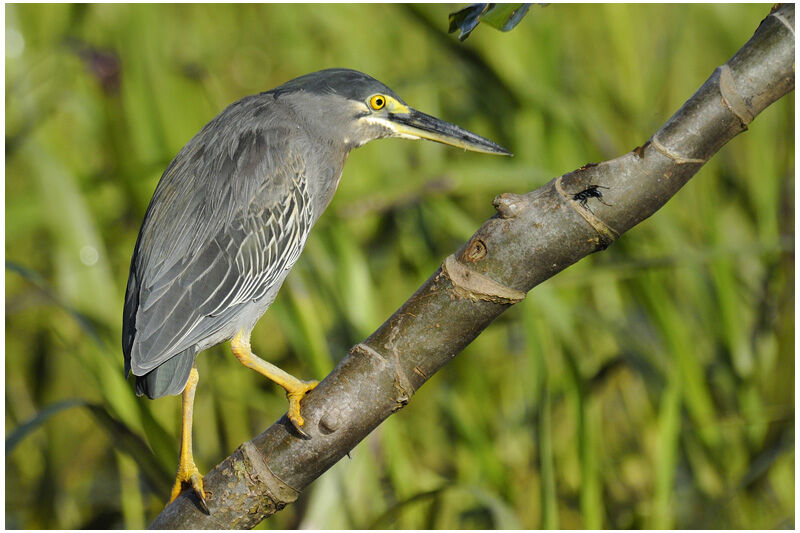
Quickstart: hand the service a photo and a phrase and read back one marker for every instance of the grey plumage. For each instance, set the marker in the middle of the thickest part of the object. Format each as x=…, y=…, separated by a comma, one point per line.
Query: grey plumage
x=232, y=212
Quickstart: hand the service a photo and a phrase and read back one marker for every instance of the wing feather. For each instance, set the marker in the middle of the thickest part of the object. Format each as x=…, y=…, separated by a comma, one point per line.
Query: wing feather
x=228, y=218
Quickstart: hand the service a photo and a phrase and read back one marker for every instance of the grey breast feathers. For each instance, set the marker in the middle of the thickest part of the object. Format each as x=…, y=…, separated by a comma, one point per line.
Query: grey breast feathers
x=229, y=215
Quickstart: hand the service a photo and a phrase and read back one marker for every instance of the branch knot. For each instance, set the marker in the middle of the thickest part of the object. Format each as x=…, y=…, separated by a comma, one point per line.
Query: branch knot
x=277, y=490
x=677, y=158
x=470, y=284
x=731, y=97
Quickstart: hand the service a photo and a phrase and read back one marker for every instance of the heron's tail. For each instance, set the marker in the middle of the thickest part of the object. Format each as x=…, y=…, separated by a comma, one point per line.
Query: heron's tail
x=167, y=378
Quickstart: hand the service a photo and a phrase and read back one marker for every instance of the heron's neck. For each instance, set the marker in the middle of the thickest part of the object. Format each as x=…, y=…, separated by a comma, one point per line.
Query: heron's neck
x=323, y=186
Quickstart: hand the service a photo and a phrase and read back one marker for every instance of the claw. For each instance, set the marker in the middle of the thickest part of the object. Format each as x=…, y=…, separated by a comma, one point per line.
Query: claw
x=299, y=430
x=189, y=475
x=295, y=397
x=197, y=487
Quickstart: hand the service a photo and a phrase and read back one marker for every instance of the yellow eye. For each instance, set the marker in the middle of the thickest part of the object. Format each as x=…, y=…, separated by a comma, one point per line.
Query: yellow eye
x=377, y=102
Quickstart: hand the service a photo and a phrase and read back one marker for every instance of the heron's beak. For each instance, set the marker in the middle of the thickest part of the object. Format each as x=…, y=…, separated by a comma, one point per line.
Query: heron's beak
x=418, y=125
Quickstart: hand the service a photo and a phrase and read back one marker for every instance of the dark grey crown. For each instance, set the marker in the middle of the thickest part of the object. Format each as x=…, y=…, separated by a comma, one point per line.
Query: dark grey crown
x=348, y=83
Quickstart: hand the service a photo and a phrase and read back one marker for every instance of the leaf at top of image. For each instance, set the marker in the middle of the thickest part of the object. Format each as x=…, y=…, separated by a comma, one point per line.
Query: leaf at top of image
x=503, y=17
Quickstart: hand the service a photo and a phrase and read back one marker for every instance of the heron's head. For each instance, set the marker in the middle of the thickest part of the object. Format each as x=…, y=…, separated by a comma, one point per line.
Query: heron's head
x=347, y=106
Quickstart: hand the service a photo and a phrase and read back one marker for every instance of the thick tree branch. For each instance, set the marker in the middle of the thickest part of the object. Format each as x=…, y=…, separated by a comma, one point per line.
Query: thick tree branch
x=533, y=237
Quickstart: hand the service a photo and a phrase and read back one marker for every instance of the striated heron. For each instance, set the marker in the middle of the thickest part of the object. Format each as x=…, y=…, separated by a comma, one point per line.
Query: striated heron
x=231, y=215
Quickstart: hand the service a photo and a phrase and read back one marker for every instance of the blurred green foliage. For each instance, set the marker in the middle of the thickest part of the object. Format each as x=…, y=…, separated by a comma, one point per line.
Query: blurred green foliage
x=648, y=386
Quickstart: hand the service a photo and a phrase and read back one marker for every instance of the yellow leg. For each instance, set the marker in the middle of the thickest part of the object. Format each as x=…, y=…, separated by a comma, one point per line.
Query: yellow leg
x=295, y=389
x=187, y=471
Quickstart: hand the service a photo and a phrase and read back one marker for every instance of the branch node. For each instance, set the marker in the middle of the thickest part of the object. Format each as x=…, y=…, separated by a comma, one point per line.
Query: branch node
x=677, y=158
x=639, y=150
x=783, y=21
x=402, y=396
x=402, y=385
x=475, y=251
x=607, y=233
x=329, y=423
x=509, y=205
x=470, y=284
x=731, y=97
x=280, y=492
x=368, y=350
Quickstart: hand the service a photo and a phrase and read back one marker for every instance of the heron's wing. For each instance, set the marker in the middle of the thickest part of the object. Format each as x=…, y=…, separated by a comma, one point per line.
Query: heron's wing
x=223, y=225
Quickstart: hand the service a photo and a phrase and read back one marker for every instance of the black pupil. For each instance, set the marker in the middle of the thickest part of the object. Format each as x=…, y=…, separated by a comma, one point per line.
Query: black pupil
x=379, y=102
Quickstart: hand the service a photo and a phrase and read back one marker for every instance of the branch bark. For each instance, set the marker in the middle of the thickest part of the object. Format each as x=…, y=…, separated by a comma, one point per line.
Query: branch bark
x=533, y=237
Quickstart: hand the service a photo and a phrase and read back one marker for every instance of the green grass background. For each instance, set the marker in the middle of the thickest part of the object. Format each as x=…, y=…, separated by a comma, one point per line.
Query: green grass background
x=649, y=386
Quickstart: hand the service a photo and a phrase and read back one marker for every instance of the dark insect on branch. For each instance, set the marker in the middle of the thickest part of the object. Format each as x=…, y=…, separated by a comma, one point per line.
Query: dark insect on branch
x=592, y=191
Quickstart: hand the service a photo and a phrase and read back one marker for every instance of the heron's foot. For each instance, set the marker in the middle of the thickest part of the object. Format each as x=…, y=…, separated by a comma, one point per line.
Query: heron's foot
x=295, y=395
x=188, y=474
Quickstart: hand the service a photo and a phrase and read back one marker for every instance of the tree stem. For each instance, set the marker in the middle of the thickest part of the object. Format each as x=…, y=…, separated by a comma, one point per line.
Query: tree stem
x=533, y=237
